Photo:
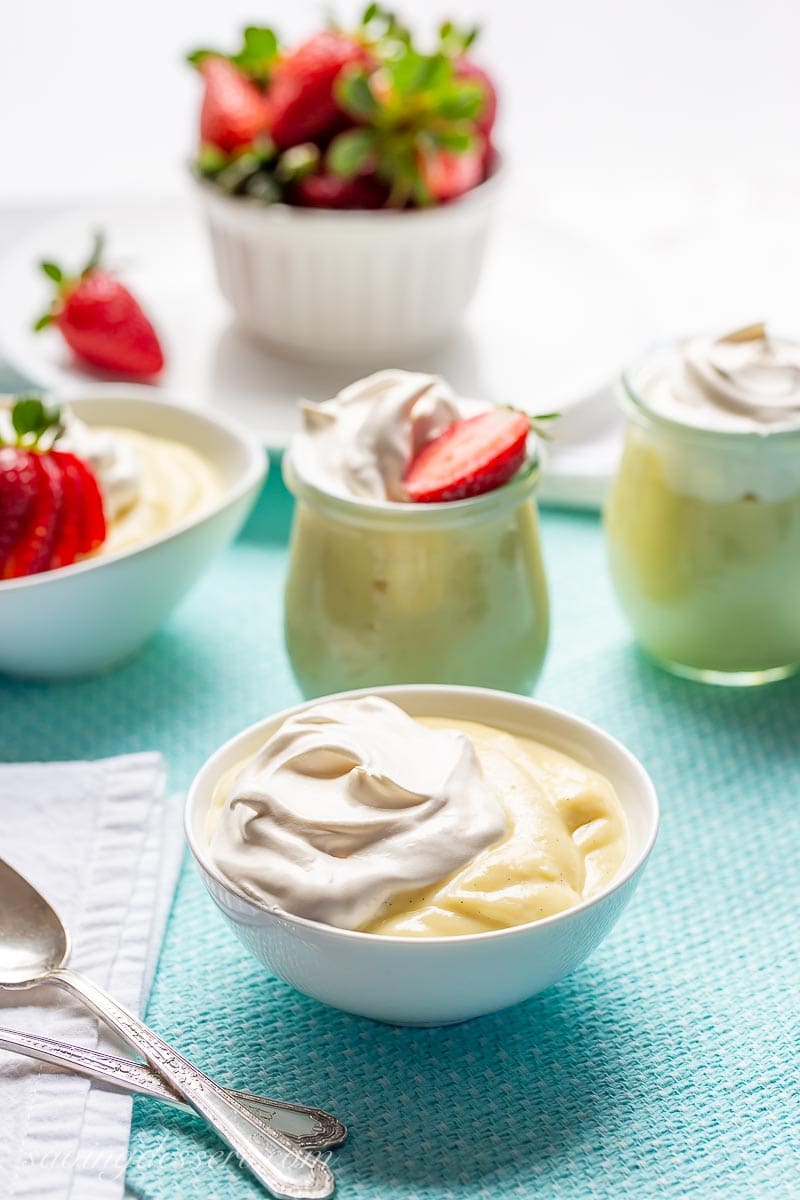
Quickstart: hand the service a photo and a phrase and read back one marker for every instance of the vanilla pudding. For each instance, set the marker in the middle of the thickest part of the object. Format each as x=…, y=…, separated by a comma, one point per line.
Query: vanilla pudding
x=382, y=590
x=703, y=519
x=359, y=816
x=148, y=484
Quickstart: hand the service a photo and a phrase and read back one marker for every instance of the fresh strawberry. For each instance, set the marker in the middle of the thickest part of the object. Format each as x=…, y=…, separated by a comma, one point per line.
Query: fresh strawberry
x=34, y=546
x=234, y=112
x=447, y=175
x=465, y=68
x=51, y=511
x=301, y=99
x=470, y=457
x=82, y=526
x=325, y=190
x=101, y=321
x=19, y=491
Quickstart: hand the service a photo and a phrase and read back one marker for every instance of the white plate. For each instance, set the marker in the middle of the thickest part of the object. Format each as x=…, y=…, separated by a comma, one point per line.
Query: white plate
x=551, y=325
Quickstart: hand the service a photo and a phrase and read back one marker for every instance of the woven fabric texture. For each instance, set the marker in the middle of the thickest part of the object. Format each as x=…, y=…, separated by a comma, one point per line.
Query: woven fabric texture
x=665, y=1067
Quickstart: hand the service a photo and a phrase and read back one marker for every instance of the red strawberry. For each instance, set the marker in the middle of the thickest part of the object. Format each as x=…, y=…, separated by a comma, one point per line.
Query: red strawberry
x=465, y=68
x=234, y=111
x=19, y=490
x=447, y=174
x=51, y=511
x=329, y=191
x=34, y=546
x=102, y=322
x=301, y=99
x=470, y=457
x=82, y=526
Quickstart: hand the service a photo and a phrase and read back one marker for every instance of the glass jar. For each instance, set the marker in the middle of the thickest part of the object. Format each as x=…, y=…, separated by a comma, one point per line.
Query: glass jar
x=703, y=537
x=382, y=592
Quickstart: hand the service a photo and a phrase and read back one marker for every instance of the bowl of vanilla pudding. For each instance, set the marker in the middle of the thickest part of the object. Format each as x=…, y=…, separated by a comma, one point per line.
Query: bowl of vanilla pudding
x=421, y=855
x=703, y=518
x=176, y=485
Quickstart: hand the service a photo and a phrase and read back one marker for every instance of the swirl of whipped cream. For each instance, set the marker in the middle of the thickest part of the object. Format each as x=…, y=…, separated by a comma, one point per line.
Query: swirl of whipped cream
x=360, y=443
x=113, y=460
x=743, y=382
x=348, y=804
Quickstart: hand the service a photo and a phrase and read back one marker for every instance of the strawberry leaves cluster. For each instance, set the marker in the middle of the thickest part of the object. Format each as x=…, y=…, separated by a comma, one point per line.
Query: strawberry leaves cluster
x=358, y=118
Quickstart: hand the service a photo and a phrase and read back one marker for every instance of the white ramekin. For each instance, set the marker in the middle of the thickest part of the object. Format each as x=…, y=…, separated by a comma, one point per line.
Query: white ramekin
x=436, y=981
x=361, y=286
x=90, y=616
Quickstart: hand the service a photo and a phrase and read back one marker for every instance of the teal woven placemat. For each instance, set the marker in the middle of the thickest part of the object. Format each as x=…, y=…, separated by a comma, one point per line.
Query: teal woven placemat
x=666, y=1067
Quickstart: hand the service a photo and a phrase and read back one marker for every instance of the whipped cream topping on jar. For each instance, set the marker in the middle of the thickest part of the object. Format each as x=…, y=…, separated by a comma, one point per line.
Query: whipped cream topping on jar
x=360, y=444
x=745, y=382
x=349, y=803
x=113, y=460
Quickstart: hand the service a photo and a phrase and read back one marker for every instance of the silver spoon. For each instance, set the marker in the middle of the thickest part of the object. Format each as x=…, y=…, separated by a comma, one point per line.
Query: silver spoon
x=33, y=949
x=311, y=1128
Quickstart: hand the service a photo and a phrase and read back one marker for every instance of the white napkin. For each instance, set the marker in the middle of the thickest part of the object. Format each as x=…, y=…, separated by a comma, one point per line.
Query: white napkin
x=104, y=846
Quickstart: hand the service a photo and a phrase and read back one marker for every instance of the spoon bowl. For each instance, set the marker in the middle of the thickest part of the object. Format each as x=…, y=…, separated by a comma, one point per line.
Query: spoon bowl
x=33, y=940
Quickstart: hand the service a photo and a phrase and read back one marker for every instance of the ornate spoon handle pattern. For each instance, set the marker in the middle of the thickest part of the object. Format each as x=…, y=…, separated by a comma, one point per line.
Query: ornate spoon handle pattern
x=280, y=1166
x=310, y=1128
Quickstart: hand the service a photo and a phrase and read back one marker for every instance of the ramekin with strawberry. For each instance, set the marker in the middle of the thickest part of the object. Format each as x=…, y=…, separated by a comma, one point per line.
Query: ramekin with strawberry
x=348, y=183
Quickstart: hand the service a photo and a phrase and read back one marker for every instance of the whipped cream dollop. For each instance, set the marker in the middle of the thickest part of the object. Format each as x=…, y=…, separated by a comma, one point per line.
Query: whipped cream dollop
x=114, y=461
x=360, y=443
x=350, y=803
x=745, y=381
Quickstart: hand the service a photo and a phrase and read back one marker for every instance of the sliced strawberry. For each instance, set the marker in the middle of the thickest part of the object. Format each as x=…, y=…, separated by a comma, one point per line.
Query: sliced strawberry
x=301, y=98
x=34, y=546
x=234, y=111
x=19, y=490
x=69, y=533
x=470, y=457
x=325, y=190
x=447, y=174
x=465, y=68
x=94, y=522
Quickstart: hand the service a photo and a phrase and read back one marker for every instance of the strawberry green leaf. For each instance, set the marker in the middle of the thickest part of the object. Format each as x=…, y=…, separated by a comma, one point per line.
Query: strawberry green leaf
x=258, y=53
x=350, y=152
x=297, y=162
x=198, y=57
x=453, y=139
x=210, y=160
x=52, y=271
x=355, y=94
x=42, y=322
x=463, y=101
x=31, y=417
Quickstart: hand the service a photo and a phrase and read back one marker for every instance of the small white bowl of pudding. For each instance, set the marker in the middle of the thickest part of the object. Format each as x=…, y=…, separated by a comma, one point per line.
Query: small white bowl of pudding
x=176, y=486
x=421, y=855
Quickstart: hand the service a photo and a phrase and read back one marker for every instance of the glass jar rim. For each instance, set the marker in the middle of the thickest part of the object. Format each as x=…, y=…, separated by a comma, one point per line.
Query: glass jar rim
x=634, y=405
x=396, y=514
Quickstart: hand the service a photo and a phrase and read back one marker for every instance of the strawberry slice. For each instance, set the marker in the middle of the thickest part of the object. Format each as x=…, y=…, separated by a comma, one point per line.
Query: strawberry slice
x=19, y=490
x=94, y=521
x=470, y=457
x=34, y=546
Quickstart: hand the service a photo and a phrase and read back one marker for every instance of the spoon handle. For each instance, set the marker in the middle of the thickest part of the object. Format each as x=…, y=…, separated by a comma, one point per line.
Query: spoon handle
x=284, y=1170
x=311, y=1128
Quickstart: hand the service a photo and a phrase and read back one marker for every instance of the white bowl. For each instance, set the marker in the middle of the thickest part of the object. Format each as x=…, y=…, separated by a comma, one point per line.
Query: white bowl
x=94, y=614
x=348, y=287
x=436, y=981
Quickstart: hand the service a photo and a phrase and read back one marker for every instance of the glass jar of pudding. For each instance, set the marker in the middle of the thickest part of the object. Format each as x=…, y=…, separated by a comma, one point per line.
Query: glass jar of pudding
x=702, y=522
x=382, y=592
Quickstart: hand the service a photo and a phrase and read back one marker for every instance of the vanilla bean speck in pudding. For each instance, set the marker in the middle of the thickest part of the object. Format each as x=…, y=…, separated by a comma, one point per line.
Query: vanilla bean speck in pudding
x=359, y=816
